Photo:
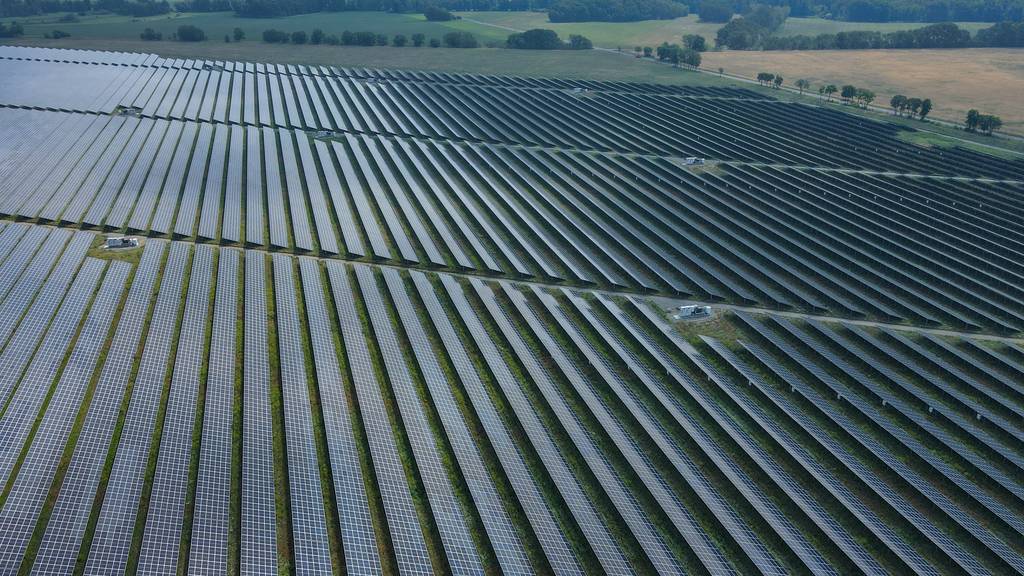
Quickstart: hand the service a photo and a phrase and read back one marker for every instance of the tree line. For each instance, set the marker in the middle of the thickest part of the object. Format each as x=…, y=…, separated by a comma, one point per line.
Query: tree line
x=986, y=123
x=615, y=10
x=454, y=39
x=944, y=35
x=879, y=10
x=543, y=39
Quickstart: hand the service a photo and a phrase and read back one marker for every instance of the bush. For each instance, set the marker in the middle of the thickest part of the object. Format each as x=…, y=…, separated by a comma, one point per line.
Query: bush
x=149, y=34
x=227, y=39
x=364, y=39
x=298, y=37
x=332, y=40
x=435, y=43
x=381, y=40
x=189, y=33
x=11, y=30
x=238, y=34
x=535, y=39
x=460, y=40
x=695, y=42
x=317, y=36
x=399, y=40
x=578, y=42
x=273, y=36
x=437, y=14
x=418, y=39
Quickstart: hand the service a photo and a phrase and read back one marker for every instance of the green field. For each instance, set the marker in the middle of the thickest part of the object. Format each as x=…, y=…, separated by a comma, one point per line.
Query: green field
x=604, y=34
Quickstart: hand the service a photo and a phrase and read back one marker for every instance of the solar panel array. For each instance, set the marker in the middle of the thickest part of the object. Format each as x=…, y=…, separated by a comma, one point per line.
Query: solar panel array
x=773, y=236
x=234, y=398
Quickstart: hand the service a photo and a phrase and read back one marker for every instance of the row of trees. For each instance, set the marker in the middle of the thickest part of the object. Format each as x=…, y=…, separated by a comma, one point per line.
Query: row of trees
x=912, y=107
x=452, y=39
x=678, y=55
x=185, y=33
x=986, y=123
x=877, y=10
x=543, y=39
x=769, y=79
x=945, y=35
x=615, y=10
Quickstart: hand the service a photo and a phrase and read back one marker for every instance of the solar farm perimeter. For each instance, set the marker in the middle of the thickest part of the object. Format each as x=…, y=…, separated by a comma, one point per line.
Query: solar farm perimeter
x=414, y=323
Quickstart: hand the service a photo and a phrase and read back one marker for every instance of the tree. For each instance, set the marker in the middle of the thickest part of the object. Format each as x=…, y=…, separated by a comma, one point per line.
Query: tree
x=721, y=70
x=273, y=36
x=535, y=39
x=435, y=43
x=715, y=11
x=227, y=39
x=418, y=39
x=898, y=103
x=926, y=107
x=848, y=92
x=802, y=84
x=150, y=35
x=298, y=37
x=695, y=42
x=971, y=122
x=638, y=51
x=865, y=97
x=381, y=40
x=317, y=36
x=238, y=34
x=829, y=90
x=579, y=42
x=437, y=14
x=777, y=81
x=913, y=104
x=332, y=40
x=189, y=33
x=765, y=78
x=399, y=41
x=648, y=51
x=460, y=39
x=988, y=123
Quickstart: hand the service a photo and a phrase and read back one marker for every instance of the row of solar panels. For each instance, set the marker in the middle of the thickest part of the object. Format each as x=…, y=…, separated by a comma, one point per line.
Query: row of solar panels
x=469, y=426
x=151, y=60
x=926, y=250
x=721, y=128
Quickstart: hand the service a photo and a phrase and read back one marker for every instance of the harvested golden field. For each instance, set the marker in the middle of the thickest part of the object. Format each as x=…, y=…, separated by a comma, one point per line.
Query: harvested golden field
x=989, y=79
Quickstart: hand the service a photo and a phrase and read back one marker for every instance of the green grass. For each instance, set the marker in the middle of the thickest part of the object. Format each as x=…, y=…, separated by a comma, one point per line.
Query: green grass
x=936, y=140
x=604, y=34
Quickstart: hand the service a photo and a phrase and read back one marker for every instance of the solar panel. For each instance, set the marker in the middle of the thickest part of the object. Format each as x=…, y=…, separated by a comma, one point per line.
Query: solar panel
x=458, y=544
x=357, y=534
x=253, y=187
x=28, y=493
x=580, y=506
x=500, y=531
x=406, y=534
x=312, y=555
x=208, y=553
x=58, y=550
x=159, y=553
x=258, y=512
x=112, y=537
x=34, y=384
